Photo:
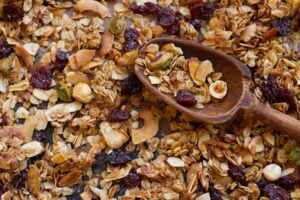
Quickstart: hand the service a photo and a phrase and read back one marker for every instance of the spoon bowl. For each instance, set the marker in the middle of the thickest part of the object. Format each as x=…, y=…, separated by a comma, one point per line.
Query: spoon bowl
x=239, y=97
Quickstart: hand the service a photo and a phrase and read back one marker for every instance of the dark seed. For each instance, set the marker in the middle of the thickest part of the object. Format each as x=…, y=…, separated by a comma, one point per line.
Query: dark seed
x=41, y=77
x=276, y=192
x=186, y=98
x=61, y=59
x=12, y=12
x=131, y=85
x=19, y=180
x=132, y=179
x=5, y=49
x=118, y=115
x=99, y=164
x=119, y=157
x=282, y=25
x=237, y=174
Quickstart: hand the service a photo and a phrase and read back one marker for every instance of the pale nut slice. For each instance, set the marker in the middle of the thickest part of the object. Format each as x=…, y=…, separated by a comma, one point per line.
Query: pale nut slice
x=272, y=172
x=199, y=70
x=32, y=48
x=107, y=41
x=113, y=138
x=218, y=89
x=175, y=162
x=94, y=6
x=149, y=130
x=32, y=149
x=170, y=47
x=81, y=58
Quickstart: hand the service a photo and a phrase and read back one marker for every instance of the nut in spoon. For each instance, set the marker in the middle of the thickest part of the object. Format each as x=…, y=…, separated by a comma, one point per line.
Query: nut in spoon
x=239, y=97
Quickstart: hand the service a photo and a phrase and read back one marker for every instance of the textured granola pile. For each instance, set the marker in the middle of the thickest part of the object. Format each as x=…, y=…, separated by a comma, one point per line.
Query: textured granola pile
x=76, y=123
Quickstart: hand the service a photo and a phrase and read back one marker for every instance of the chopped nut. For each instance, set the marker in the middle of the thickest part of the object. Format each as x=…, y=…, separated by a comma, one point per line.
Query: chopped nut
x=218, y=89
x=128, y=58
x=272, y=172
x=114, y=138
x=32, y=48
x=161, y=61
x=22, y=113
x=82, y=93
x=107, y=41
x=172, y=49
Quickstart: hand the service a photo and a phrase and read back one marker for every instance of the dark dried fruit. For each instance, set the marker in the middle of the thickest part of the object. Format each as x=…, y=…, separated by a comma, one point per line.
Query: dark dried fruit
x=168, y=20
x=12, y=12
x=119, y=157
x=197, y=23
x=132, y=179
x=121, y=191
x=61, y=59
x=4, y=120
x=262, y=183
x=99, y=164
x=131, y=36
x=41, y=77
x=44, y=136
x=202, y=11
x=139, y=9
x=118, y=115
x=237, y=174
x=289, y=181
x=78, y=189
x=5, y=49
x=270, y=89
x=3, y=188
x=19, y=180
x=131, y=85
x=186, y=98
x=275, y=192
x=284, y=95
x=282, y=25
x=214, y=193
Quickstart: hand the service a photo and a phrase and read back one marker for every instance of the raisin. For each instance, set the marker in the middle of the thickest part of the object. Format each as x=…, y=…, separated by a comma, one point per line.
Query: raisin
x=214, y=193
x=132, y=179
x=99, y=164
x=119, y=157
x=275, y=192
x=284, y=95
x=131, y=85
x=168, y=20
x=289, y=181
x=282, y=25
x=5, y=49
x=197, y=23
x=41, y=77
x=45, y=136
x=186, y=98
x=118, y=115
x=262, y=184
x=19, y=180
x=77, y=190
x=138, y=9
x=61, y=60
x=3, y=188
x=270, y=89
x=131, y=36
x=12, y=12
x=151, y=7
x=202, y=11
x=4, y=120
x=237, y=174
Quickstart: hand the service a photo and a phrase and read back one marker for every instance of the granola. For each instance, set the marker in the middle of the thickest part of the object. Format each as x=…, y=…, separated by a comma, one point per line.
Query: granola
x=66, y=67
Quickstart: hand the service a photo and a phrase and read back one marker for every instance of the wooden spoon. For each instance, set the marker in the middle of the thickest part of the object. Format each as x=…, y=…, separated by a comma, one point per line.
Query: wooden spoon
x=239, y=97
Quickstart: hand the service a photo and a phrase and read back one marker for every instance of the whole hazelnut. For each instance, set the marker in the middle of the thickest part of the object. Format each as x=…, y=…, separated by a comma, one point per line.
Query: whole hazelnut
x=82, y=92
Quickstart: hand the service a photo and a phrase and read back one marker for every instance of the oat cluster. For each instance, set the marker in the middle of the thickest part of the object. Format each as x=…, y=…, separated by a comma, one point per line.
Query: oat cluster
x=76, y=122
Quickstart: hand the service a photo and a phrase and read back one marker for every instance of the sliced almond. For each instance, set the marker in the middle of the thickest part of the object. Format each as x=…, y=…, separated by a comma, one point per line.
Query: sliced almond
x=199, y=70
x=32, y=149
x=175, y=162
x=94, y=6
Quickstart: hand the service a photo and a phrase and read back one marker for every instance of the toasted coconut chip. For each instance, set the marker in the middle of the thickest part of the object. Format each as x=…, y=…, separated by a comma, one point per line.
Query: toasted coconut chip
x=25, y=56
x=76, y=77
x=117, y=173
x=34, y=180
x=107, y=41
x=32, y=149
x=149, y=130
x=70, y=179
x=61, y=110
x=114, y=138
x=81, y=58
x=94, y=6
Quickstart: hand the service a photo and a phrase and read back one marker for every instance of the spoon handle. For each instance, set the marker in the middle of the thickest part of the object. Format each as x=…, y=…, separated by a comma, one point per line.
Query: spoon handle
x=278, y=120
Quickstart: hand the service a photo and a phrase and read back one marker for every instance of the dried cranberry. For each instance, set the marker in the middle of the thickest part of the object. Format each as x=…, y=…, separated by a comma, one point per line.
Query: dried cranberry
x=41, y=77
x=132, y=179
x=186, y=98
x=289, y=181
x=276, y=192
x=61, y=60
x=131, y=36
x=77, y=190
x=3, y=188
x=138, y=9
x=270, y=89
x=284, y=95
x=237, y=174
x=45, y=136
x=99, y=164
x=19, y=180
x=151, y=7
x=168, y=20
x=119, y=157
x=214, y=193
x=131, y=85
x=118, y=115
x=5, y=49
x=282, y=25
x=4, y=120
x=202, y=11
x=12, y=12
x=262, y=183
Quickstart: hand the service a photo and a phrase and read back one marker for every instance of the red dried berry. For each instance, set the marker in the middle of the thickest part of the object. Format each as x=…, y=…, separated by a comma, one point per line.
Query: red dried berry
x=12, y=12
x=270, y=89
x=19, y=180
x=4, y=120
x=168, y=20
x=41, y=77
x=132, y=179
x=282, y=25
x=61, y=60
x=202, y=11
x=237, y=174
x=197, y=23
x=131, y=36
x=262, y=184
x=45, y=136
x=5, y=49
x=276, y=192
x=289, y=181
x=138, y=9
x=99, y=164
x=119, y=157
x=214, y=193
x=186, y=98
x=118, y=115
x=131, y=85
x=3, y=188
x=284, y=95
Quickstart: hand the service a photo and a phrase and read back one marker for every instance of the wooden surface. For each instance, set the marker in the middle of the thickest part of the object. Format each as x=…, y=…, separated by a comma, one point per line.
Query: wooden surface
x=239, y=97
